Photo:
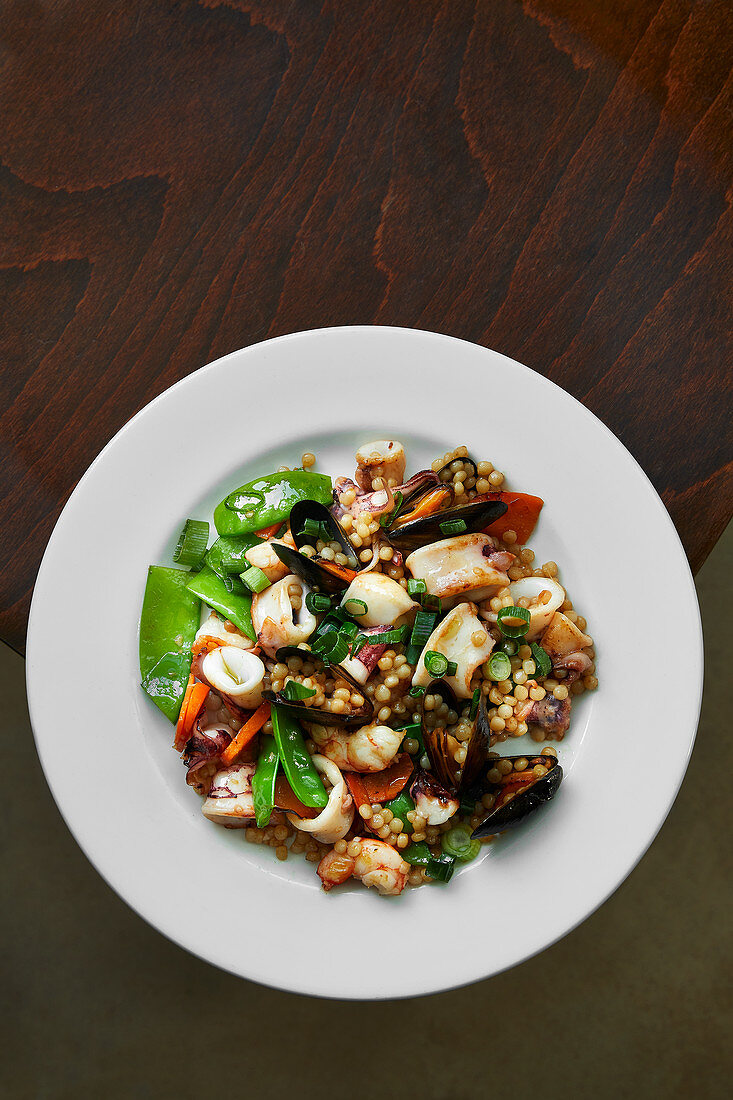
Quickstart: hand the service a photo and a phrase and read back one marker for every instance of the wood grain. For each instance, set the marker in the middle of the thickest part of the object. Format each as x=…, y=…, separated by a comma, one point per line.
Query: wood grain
x=550, y=178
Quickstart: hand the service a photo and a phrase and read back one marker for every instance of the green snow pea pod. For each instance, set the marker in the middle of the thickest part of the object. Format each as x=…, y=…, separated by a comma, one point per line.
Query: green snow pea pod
x=263, y=780
x=400, y=807
x=236, y=606
x=168, y=624
x=227, y=554
x=268, y=500
x=295, y=759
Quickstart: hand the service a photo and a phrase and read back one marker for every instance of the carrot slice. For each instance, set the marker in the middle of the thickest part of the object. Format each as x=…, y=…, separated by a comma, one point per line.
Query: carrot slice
x=178, y=740
x=268, y=532
x=381, y=786
x=521, y=516
x=286, y=799
x=250, y=729
x=338, y=570
x=357, y=790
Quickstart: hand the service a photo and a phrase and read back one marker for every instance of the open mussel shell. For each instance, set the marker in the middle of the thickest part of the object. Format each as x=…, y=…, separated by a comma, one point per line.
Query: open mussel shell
x=323, y=575
x=410, y=535
x=477, y=751
x=466, y=462
x=357, y=716
x=304, y=510
x=507, y=812
x=436, y=739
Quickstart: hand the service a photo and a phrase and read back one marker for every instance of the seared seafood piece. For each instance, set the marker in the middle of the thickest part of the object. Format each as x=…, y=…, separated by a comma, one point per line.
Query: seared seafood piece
x=551, y=714
x=387, y=603
x=465, y=566
x=377, y=864
x=461, y=637
x=369, y=749
x=280, y=616
x=215, y=629
x=335, y=820
x=564, y=644
x=545, y=598
x=266, y=559
x=383, y=458
x=235, y=674
x=230, y=801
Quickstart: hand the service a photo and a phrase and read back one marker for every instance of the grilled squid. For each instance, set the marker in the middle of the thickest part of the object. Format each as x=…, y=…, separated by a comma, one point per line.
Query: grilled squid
x=275, y=619
x=201, y=753
x=383, y=458
x=222, y=632
x=550, y=714
x=564, y=644
x=460, y=637
x=386, y=601
x=335, y=820
x=360, y=668
x=432, y=800
x=349, y=498
x=230, y=799
x=465, y=565
x=236, y=674
x=545, y=597
x=368, y=749
x=265, y=558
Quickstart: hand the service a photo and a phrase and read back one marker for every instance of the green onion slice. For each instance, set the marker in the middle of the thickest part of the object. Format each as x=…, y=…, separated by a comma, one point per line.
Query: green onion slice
x=416, y=691
x=412, y=656
x=431, y=603
x=441, y=869
x=458, y=844
x=422, y=628
x=192, y=543
x=541, y=659
x=475, y=700
x=436, y=663
x=317, y=602
x=293, y=691
x=508, y=646
x=255, y=579
x=500, y=667
x=388, y=519
x=416, y=587
x=450, y=527
x=513, y=621
x=355, y=607
x=332, y=647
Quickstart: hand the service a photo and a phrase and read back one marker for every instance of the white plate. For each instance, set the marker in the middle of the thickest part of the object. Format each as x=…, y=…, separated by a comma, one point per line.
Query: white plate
x=106, y=750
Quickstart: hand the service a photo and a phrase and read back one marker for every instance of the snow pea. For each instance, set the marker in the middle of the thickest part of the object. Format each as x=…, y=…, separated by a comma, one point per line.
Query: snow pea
x=227, y=554
x=263, y=780
x=268, y=500
x=298, y=767
x=168, y=624
x=437, y=867
x=236, y=606
x=400, y=807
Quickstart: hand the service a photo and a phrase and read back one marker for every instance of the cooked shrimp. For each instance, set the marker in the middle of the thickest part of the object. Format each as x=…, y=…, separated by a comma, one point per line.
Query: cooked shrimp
x=368, y=749
x=334, y=822
x=377, y=864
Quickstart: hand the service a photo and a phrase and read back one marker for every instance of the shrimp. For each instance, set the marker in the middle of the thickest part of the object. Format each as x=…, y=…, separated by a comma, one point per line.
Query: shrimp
x=334, y=821
x=377, y=864
x=369, y=749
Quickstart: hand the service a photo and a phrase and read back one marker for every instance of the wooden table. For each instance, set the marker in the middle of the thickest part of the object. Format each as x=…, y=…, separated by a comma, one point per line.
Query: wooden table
x=548, y=178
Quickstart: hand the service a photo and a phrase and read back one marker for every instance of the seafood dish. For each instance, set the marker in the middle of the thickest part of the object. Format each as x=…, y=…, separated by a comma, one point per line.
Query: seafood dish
x=344, y=662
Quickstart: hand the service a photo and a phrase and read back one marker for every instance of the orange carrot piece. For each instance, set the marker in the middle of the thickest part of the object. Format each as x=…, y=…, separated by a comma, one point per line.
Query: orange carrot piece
x=178, y=740
x=268, y=532
x=197, y=698
x=286, y=799
x=521, y=516
x=250, y=729
x=340, y=571
x=387, y=784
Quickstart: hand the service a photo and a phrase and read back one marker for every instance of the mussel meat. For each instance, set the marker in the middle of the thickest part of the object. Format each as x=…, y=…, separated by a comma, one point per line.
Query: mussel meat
x=440, y=745
x=410, y=534
x=316, y=572
x=357, y=716
x=520, y=793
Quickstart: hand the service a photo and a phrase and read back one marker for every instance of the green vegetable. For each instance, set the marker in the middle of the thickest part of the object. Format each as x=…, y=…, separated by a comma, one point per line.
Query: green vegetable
x=355, y=607
x=413, y=732
x=400, y=807
x=332, y=647
x=436, y=663
x=440, y=868
x=431, y=603
x=263, y=780
x=268, y=500
x=213, y=591
x=452, y=527
x=192, y=542
x=508, y=646
x=417, y=854
x=416, y=691
x=458, y=844
x=297, y=764
x=293, y=691
x=500, y=667
x=317, y=602
x=412, y=656
x=542, y=660
x=255, y=579
x=388, y=519
x=416, y=587
x=168, y=624
x=422, y=628
x=513, y=621
x=227, y=555
x=475, y=700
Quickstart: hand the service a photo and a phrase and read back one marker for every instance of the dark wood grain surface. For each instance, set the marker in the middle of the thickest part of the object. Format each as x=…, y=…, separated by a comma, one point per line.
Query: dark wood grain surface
x=550, y=178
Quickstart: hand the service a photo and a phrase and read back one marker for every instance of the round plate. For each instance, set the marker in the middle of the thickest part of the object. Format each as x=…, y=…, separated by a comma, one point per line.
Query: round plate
x=106, y=750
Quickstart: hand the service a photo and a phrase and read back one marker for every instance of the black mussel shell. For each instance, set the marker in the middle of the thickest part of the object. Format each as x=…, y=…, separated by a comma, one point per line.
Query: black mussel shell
x=303, y=510
x=359, y=717
x=526, y=801
x=477, y=752
x=313, y=571
x=435, y=740
x=476, y=515
x=467, y=461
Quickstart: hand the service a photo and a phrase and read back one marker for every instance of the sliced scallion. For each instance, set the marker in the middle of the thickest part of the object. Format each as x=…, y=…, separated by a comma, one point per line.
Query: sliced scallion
x=542, y=661
x=451, y=527
x=332, y=647
x=317, y=602
x=388, y=519
x=508, y=646
x=416, y=691
x=355, y=607
x=513, y=621
x=412, y=656
x=293, y=691
x=436, y=663
x=475, y=700
x=422, y=628
x=416, y=587
x=458, y=844
x=192, y=543
x=441, y=869
x=500, y=667
x=431, y=603
x=255, y=579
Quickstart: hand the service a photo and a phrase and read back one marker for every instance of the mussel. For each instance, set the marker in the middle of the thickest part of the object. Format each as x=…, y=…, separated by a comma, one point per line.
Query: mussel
x=358, y=716
x=410, y=534
x=520, y=793
x=440, y=750
x=317, y=572
x=467, y=461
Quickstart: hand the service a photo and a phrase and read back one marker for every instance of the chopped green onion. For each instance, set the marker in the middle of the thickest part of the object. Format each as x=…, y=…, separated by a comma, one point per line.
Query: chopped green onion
x=417, y=854
x=412, y=656
x=541, y=659
x=388, y=519
x=255, y=579
x=293, y=691
x=452, y=668
x=316, y=602
x=355, y=607
x=192, y=542
x=513, y=621
x=431, y=603
x=349, y=629
x=475, y=700
x=451, y=527
x=317, y=529
x=508, y=646
x=412, y=732
x=416, y=691
x=332, y=647
x=500, y=667
x=401, y=806
x=467, y=804
x=422, y=628
x=416, y=587
x=441, y=869
x=458, y=844
x=436, y=663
